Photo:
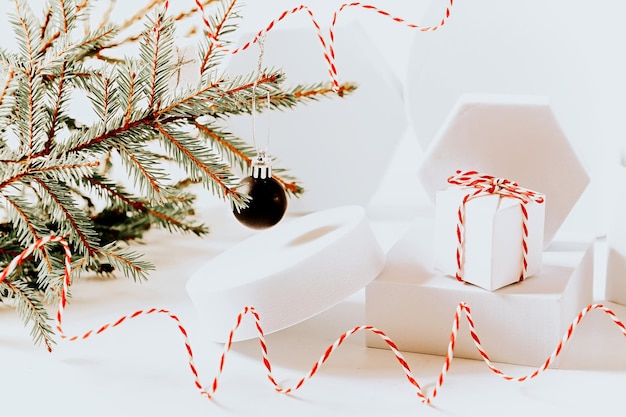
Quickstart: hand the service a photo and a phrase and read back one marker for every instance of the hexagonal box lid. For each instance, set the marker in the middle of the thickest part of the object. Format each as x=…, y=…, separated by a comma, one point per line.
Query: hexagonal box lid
x=510, y=136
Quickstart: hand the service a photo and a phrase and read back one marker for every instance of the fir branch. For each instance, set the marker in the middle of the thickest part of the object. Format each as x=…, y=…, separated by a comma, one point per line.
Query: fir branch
x=144, y=170
x=132, y=38
x=28, y=228
x=237, y=152
x=232, y=96
x=66, y=14
x=45, y=26
x=171, y=214
x=60, y=99
x=126, y=83
x=103, y=98
x=31, y=117
x=202, y=164
x=159, y=217
x=157, y=50
x=65, y=47
x=7, y=84
x=220, y=26
x=128, y=262
x=116, y=194
x=67, y=219
x=25, y=25
x=30, y=310
x=288, y=98
x=49, y=183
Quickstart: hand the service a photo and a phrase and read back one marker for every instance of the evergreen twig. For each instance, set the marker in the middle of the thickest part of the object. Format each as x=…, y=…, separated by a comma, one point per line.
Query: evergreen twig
x=55, y=169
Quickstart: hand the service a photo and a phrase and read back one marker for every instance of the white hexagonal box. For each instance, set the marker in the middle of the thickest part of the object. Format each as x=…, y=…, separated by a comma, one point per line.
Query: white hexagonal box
x=508, y=136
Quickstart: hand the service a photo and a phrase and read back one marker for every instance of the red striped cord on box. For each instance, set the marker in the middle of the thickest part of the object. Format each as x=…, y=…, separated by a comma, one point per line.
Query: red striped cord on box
x=484, y=185
x=328, y=43
x=462, y=308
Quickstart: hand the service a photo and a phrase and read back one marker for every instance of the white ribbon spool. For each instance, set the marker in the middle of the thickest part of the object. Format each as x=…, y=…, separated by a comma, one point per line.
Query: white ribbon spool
x=288, y=273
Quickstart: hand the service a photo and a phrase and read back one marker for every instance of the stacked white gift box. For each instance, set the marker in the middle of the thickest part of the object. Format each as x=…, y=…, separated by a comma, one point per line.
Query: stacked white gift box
x=510, y=137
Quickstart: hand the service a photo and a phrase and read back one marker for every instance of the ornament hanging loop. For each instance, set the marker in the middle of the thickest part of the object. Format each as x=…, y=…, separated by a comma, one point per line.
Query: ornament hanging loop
x=261, y=166
x=261, y=43
x=268, y=200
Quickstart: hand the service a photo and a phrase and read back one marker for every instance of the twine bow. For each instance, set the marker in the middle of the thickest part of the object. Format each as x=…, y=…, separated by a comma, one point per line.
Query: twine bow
x=483, y=185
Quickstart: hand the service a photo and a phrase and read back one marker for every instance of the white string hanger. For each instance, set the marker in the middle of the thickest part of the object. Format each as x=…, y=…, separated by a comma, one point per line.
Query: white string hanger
x=268, y=199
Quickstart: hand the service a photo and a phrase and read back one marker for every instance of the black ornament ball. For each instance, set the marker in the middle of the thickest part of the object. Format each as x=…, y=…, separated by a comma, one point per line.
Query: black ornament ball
x=267, y=205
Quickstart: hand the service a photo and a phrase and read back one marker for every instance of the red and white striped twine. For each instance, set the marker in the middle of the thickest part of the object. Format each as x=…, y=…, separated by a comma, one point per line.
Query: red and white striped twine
x=462, y=308
x=482, y=185
x=327, y=43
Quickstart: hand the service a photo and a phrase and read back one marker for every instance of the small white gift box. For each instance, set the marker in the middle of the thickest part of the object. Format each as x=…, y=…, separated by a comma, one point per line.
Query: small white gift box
x=488, y=231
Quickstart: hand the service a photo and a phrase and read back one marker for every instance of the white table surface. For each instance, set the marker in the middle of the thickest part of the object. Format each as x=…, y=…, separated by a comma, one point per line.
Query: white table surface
x=140, y=368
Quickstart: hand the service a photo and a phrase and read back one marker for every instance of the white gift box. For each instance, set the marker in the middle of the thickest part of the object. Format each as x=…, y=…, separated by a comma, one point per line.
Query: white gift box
x=493, y=252
x=514, y=137
x=518, y=324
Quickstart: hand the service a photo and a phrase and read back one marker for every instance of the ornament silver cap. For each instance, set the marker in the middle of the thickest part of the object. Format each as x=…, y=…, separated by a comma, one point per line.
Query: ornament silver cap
x=261, y=166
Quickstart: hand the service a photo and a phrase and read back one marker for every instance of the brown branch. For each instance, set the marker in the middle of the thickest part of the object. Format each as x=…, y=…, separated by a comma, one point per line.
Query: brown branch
x=138, y=205
x=26, y=173
x=57, y=109
x=13, y=179
x=16, y=290
x=74, y=46
x=264, y=79
x=136, y=37
x=289, y=186
x=155, y=62
x=25, y=28
x=217, y=138
x=105, y=105
x=215, y=35
x=122, y=259
x=90, y=250
x=341, y=91
x=130, y=97
x=64, y=167
x=31, y=229
x=109, y=135
x=128, y=39
x=31, y=114
x=5, y=89
x=50, y=41
x=81, y=6
x=195, y=160
x=46, y=22
x=172, y=220
x=188, y=13
x=66, y=28
x=153, y=182
x=149, y=119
